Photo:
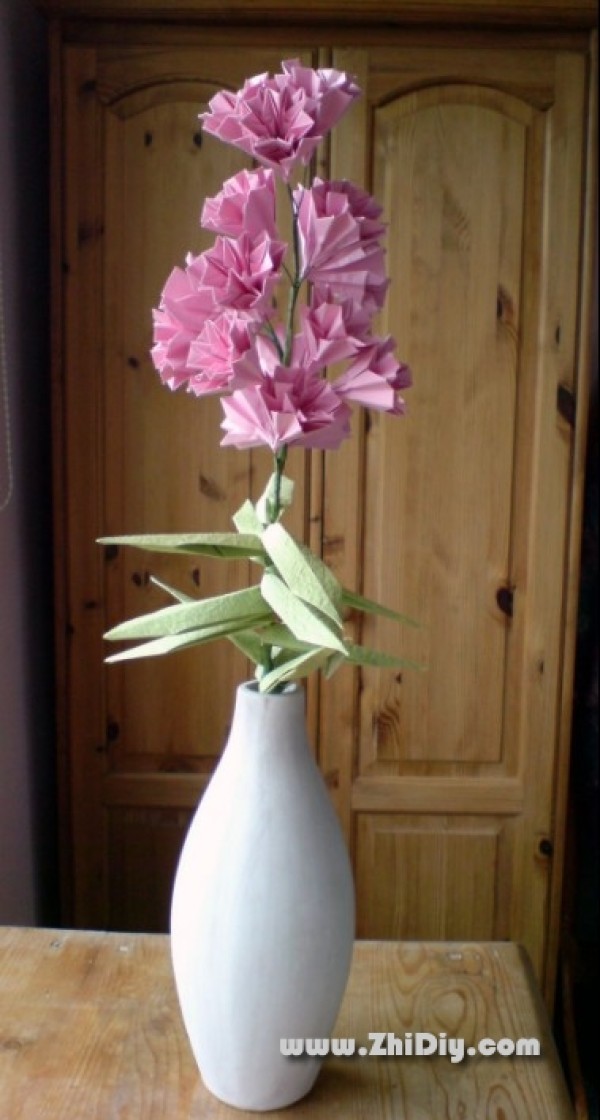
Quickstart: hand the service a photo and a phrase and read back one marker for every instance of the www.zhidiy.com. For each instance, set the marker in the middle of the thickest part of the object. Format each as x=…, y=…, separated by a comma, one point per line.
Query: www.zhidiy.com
x=419, y=1044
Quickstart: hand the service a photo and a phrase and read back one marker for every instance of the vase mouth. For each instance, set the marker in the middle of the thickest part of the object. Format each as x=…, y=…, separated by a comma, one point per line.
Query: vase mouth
x=290, y=688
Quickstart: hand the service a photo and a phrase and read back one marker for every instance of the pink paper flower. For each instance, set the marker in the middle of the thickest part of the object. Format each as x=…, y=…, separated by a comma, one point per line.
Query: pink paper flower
x=180, y=317
x=246, y=204
x=287, y=344
x=329, y=93
x=235, y=275
x=295, y=407
x=216, y=357
x=217, y=328
x=263, y=358
x=238, y=274
x=341, y=193
x=375, y=377
x=280, y=120
x=171, y=349
x=330, y=332
x=339, y=230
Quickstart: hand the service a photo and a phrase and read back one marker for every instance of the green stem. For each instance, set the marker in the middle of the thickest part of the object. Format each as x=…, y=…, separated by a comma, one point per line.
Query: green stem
x=286, y=356
x=295, y=284
x=280, y=458
x=270, y=332
x=279, y=463
x=268, y=665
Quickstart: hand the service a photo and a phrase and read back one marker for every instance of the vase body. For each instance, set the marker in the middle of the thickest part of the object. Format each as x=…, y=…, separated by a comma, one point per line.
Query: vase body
x=262, y=919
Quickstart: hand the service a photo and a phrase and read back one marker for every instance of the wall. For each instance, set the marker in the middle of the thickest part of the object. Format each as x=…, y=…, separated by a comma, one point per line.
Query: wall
x=28, y=877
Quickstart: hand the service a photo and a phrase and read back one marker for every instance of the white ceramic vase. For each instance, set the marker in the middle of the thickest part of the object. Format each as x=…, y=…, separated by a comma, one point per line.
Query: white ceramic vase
x=262, y=920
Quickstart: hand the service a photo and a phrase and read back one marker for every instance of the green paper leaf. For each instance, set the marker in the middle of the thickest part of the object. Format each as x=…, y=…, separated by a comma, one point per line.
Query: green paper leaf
x=232, y=607
x=282, y=637
x=304, y=574
x=302, y=619
x=362, y=655
x=369, y=606
x=250, y=644
x=181, y=596
x=324, y=574
x=293, y=669
x=333, y=663
x=159, y=646
x=246, y=520
x=228, y=546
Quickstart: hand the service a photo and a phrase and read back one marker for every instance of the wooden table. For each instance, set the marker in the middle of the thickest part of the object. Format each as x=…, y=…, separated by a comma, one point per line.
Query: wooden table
x=90, y=1030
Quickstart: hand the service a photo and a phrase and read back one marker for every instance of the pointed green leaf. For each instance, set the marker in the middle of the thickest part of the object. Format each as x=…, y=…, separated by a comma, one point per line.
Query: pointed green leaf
x=250, y=645
x=246, y=520
x=302, y=619
x=232, y=607
x=362, y=655
x=302, y=575
x=181, y=596
x=293, y=670
x=155, y=648
x=369, y=606
x=228, y=546
x=324, y=574
x=333, y=663
x=159, y=646
x=282, y=637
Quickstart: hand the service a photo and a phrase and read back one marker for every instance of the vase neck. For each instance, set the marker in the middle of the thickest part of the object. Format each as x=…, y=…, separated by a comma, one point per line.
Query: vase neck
x=263, y=721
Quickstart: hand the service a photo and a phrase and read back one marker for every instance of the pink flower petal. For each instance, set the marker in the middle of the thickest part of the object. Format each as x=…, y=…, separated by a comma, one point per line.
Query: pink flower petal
x=239, y=274
x=330, y=332
x=293, y=406
x=280, y=120
x=373, y=379
x=339, y=231
x=216, y=356
x=246, y=204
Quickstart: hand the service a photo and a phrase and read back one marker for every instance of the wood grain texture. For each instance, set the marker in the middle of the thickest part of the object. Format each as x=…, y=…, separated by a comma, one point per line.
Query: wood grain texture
x=90, y=1030
x=549, y=13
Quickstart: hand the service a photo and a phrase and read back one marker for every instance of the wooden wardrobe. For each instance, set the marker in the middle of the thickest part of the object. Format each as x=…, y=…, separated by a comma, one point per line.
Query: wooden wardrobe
x=475, y=132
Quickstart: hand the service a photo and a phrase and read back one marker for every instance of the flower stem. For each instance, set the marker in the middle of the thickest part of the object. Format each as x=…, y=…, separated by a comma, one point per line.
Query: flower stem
x=295, y=283
x=271, y=333
x=285, y=355
x=274, y=511
x=280, y=458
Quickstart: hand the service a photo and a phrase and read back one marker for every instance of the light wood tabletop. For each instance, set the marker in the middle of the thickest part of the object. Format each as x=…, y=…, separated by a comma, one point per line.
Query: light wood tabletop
x=90, y=1030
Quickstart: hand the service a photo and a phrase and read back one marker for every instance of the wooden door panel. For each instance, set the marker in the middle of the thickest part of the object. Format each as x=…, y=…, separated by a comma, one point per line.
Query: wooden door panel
x=144, y=845
x=450, y=172
x=432, y=873
x=443, y=778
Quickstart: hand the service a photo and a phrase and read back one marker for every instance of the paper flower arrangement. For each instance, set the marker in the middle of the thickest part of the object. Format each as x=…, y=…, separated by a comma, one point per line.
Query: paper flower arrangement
x=260, y=322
